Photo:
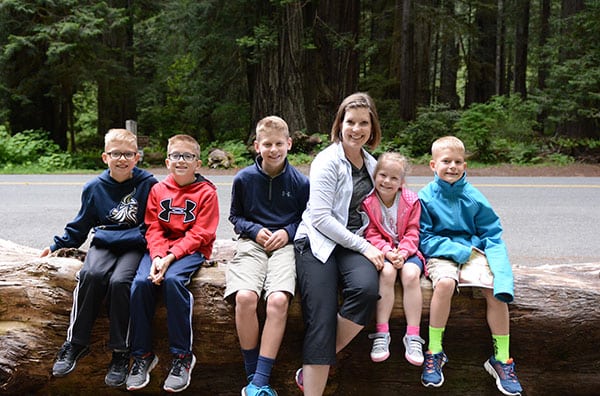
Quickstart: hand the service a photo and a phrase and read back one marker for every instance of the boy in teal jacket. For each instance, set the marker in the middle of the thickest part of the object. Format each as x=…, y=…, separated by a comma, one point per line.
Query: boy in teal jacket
x=458, y=224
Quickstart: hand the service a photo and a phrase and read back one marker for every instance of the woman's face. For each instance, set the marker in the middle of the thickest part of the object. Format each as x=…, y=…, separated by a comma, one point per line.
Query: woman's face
x=356, y=128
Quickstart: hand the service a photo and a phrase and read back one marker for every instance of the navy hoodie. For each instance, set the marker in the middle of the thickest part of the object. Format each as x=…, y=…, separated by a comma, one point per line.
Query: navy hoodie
x=115, y=211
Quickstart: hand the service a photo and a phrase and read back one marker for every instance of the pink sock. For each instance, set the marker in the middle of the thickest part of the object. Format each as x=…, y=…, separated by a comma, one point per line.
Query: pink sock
x=382, y=328
x=413, y=330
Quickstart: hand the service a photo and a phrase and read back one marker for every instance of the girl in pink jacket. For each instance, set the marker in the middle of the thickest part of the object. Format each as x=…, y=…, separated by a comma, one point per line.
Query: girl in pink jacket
x=393, y=228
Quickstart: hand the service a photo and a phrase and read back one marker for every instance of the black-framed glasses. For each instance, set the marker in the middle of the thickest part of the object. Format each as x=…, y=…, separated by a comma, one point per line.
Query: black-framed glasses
x=187, y=157
x=118, y=154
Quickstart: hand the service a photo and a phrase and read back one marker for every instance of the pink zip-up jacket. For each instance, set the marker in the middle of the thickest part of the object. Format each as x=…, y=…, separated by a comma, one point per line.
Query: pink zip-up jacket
x=409, y=214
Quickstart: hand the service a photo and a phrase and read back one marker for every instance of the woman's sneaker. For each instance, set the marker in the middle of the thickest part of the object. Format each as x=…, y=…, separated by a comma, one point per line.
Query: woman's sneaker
x=414, y=349
x=505, y=376
x=299, y=379
x=432, y=370
x=381, y=346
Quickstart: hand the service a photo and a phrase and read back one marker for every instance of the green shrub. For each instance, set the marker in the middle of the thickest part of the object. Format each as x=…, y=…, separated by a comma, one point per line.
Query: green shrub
x=55, y=161
x=489, y=130
x=431, y=123
x=28, y=146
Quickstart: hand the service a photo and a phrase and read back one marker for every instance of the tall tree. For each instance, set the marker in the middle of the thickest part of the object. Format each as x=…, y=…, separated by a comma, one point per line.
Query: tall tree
x=116, y=88
x=277, y=75
x=423, y=36
x=575, y=81
x=332, y=62
x=521, y=46
x=544, y=34
x=481, y=60
x=50, y=52
x=449, y=61
x=501, y=66
x=408, y=82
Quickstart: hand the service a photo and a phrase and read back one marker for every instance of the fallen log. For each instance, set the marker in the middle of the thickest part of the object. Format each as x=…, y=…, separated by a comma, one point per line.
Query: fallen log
x=555, y=328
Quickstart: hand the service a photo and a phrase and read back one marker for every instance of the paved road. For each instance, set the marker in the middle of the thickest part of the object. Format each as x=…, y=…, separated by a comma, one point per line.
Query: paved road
x=546, y=219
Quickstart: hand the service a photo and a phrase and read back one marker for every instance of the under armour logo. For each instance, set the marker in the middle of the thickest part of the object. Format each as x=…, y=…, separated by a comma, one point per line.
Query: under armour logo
x=187, y=212
x=286, y=194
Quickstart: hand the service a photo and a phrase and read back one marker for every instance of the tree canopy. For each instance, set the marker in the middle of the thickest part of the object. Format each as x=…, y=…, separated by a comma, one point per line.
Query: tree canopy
x=213, y=68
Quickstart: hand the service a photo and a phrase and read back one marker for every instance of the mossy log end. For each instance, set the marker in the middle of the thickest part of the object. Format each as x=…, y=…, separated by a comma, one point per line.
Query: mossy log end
x=555, y=330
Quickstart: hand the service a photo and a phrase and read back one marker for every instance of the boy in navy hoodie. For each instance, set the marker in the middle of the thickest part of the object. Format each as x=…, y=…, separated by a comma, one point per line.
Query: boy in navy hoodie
x=113, y=206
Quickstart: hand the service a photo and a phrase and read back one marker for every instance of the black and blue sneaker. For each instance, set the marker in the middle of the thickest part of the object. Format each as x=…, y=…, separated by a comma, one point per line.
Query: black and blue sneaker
x=505, y=376
x=432, y=369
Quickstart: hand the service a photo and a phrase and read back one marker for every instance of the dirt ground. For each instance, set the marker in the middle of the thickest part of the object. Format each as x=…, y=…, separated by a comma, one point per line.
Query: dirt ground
x=573, y=170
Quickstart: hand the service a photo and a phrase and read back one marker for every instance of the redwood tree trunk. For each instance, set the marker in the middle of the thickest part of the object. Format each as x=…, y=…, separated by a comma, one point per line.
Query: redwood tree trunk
x=521, y=47
x=116, y=88
x=449, y=60
x=332, y=66
x=278, y=75
x=408, y=73
x=481, y=60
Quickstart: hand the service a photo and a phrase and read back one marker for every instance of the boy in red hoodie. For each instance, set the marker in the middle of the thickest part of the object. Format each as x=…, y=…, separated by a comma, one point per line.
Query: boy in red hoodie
x=182, y=217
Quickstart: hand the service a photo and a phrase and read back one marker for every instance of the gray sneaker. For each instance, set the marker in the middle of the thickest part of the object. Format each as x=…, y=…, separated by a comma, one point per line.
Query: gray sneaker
x=139, y=375
x=381, y=346
x=414, y=349
x=180, y=375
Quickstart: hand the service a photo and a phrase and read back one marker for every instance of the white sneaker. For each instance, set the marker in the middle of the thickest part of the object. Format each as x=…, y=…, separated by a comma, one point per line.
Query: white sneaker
x=381, y=346
x=414, y=349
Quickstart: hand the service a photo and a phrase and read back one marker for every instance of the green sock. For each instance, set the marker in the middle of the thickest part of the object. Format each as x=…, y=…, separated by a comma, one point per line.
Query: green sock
x=435, y=339
x=501, y=344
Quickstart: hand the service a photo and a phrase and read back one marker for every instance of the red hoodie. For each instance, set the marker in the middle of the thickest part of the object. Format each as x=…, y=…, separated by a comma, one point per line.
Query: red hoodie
x=182, y=220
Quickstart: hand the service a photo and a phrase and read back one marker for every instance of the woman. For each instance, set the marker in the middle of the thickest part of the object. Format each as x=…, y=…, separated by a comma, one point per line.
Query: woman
x=331, y=254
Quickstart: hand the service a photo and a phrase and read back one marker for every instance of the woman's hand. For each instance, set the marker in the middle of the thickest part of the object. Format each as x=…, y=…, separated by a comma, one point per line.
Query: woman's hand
x=375, y=256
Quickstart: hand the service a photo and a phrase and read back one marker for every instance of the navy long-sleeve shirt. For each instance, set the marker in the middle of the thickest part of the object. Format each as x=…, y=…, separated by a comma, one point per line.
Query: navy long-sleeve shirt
x=261, y=201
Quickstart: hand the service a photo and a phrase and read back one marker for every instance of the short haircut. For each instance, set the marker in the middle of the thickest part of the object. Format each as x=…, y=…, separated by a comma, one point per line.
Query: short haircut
x=393, y=157
x=184, y=139
x=355, y=101
x=272, y=124
x=121, y=136
x=447, y=142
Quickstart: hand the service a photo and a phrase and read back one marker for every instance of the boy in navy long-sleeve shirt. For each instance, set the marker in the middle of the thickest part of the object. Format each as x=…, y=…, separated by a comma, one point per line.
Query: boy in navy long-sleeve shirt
x=267, y=202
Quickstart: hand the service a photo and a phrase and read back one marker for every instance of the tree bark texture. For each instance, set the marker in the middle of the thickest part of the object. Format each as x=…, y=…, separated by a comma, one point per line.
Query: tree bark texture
x=555, y=326
x=481, y=62
x=521, y=47
x=278, y=75
x=449, y=59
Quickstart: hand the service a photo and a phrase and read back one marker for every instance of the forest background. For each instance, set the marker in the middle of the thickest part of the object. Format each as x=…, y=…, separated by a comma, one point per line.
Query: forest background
x=517, y=80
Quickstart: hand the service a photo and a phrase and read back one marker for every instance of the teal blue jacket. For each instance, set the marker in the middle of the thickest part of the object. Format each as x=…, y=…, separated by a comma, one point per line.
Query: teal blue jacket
x=456, y=217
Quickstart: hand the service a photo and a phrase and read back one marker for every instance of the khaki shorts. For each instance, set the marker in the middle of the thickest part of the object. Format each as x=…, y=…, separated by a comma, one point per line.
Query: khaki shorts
x=442, y=268
x=254, y=269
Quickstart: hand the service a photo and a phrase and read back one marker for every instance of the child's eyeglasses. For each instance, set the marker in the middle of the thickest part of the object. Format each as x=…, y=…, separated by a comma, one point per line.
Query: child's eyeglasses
x=187, y=157
x=118, y=154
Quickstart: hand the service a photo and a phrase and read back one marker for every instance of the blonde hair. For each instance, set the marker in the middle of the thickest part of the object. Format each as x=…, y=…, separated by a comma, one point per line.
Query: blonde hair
x=356, y=101
x=393, y=157
x=447, y=142
x=272, y=124
x=184, y=139
x=121, y=136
